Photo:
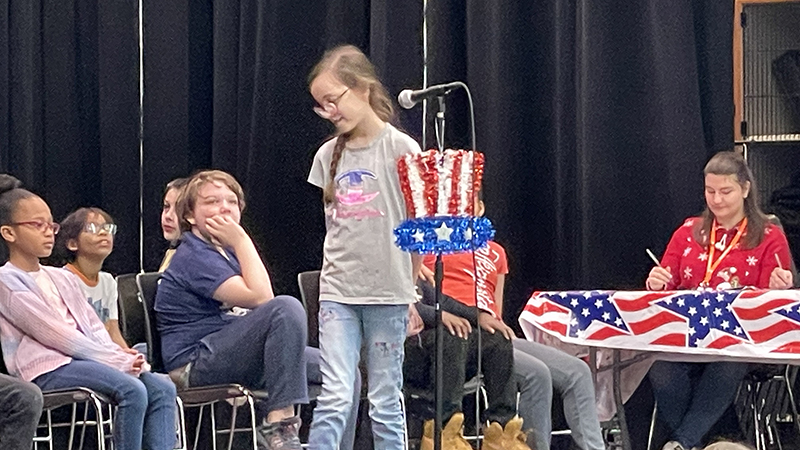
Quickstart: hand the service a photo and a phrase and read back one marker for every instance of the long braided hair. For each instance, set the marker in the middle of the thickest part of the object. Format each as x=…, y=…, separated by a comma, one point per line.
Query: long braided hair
x=350, y=66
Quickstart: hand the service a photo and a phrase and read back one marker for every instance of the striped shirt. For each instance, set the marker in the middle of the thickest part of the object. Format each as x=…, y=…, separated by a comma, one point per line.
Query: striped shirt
x=35, y=337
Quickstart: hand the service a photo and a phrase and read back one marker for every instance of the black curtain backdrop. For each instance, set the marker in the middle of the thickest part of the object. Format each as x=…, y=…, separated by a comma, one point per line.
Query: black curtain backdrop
x=596, y=117
x=69, y=108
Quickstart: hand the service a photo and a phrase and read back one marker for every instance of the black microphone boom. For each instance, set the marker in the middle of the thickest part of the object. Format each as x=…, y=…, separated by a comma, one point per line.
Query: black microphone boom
x=409, y=98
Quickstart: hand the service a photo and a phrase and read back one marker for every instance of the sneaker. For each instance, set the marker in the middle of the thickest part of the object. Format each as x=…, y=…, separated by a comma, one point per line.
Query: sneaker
x=180, y=377
x=279, y=435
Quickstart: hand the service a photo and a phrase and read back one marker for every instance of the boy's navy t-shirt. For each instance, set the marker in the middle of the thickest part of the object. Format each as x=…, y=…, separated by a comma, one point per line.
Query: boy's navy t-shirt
x=185, y=308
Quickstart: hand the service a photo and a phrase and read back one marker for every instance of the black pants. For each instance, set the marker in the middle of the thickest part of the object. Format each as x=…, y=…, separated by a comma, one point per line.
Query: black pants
x=20, y=408
x=460, y=364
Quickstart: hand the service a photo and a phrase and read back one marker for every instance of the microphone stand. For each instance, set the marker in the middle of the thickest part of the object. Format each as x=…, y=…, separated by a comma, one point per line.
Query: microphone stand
x=439, y=334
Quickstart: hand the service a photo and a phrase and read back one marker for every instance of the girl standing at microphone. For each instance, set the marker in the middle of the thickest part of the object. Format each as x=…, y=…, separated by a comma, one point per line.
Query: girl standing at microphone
x=366, y=284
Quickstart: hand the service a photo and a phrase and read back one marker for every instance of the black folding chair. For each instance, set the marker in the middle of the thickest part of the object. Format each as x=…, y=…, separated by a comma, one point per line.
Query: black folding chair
x=194, y=397
x=131, y=313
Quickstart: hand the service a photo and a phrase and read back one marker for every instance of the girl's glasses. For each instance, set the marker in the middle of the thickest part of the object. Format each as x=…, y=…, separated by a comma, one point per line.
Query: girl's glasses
x=40, y=225
x=96, y=228
x=331, y=107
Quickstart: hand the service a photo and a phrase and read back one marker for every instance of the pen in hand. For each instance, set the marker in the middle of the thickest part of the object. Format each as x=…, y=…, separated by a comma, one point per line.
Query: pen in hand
x=653, y=257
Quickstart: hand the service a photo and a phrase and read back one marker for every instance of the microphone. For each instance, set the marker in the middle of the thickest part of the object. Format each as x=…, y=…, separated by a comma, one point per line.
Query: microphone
x=409, y=98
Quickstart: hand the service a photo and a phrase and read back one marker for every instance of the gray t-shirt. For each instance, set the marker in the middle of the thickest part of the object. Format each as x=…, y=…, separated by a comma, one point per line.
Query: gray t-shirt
x=361, y=264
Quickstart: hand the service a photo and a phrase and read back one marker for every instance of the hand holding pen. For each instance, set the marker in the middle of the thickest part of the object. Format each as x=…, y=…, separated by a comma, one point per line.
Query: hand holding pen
x=659, y=276
x=780, y=278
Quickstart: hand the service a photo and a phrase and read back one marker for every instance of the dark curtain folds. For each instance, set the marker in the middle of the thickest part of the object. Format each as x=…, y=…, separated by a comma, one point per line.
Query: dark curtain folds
x=263, y=129
x=596, y=117
x=69, y=108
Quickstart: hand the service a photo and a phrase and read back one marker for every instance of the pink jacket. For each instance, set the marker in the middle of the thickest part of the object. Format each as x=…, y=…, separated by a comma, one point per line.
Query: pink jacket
x=35, y=338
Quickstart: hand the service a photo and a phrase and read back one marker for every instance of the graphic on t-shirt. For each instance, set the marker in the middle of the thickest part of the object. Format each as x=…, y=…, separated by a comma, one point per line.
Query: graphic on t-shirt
x=486, y=260
x=102, y=312
x=353, y=193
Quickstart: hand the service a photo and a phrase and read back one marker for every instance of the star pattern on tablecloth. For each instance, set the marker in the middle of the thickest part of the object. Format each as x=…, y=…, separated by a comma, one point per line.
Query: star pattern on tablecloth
x=706, y=311
x=587, y=307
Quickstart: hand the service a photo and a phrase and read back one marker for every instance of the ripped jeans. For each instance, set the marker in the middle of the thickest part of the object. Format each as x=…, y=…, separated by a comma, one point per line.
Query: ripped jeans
x=342, y=331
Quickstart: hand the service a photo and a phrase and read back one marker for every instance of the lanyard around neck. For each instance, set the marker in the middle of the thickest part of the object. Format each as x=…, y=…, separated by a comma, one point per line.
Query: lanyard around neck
x=712, y=265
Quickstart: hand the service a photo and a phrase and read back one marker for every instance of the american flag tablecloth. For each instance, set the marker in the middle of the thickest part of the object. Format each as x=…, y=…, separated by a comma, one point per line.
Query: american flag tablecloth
x=751, y=324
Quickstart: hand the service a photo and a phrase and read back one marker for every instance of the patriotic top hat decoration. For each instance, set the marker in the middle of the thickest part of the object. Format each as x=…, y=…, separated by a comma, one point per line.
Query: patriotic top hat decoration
x=439, y=189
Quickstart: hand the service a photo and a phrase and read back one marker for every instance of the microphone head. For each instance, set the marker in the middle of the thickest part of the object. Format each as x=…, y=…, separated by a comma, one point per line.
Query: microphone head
x=405, y=100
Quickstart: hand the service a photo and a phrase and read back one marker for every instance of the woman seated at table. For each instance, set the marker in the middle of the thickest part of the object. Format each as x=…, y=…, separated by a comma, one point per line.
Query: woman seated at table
x=730, y=245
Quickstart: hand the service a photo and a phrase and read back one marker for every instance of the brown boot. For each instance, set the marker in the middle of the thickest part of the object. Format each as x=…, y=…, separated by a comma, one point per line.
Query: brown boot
x=493, y=437
x=452, y=435
x=427, y=436
x=513, y=436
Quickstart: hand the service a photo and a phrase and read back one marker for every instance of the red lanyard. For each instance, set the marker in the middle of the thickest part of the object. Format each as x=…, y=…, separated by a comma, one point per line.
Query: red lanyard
x=712, y=265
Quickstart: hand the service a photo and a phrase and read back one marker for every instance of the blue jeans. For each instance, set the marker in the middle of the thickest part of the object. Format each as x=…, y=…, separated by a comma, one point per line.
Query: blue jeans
x=342, y=330
x=313, y=362
x=693, y=396
x=146, y=404
x=539, y=370
x=264, y=349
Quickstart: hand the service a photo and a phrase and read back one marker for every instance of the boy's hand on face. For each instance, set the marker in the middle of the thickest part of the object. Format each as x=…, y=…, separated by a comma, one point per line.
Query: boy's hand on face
x=226, y=231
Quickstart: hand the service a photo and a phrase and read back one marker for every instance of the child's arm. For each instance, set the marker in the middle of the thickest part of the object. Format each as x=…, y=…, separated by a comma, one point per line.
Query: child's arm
x=416, y=266
x=498, y=293
x=491, y=323
x=112, y=326
x=253, y=287
x=25, y=311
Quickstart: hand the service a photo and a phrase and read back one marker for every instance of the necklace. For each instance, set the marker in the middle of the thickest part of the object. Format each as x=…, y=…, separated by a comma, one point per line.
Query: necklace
x=720, y=245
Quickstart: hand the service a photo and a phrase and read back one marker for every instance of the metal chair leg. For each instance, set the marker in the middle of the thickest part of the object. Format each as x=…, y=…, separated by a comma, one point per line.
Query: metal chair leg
x=213, y=427
x=251, y=403
x=756, y=427
x=789, y=389
x=49, y=429
x=233, y=424
x=623, y=424
x=197, y=427
x=73, y=417
x=181, y=425
x=83, y=425
x=652, y=425
x=98, y=409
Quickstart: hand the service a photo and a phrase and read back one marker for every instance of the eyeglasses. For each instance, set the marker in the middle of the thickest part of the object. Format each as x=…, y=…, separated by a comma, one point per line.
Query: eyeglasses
x=40, y=225
x=96, y=228
x=330, y=108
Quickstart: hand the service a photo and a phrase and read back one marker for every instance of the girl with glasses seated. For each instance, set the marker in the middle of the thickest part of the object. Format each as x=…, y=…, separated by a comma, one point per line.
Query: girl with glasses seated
x=52, y=337
x=84, y=242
